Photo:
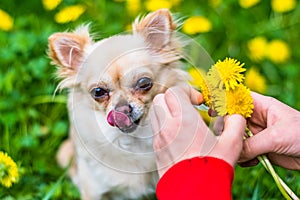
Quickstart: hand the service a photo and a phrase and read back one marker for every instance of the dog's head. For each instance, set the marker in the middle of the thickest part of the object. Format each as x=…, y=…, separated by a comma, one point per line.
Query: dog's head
x=120, y=75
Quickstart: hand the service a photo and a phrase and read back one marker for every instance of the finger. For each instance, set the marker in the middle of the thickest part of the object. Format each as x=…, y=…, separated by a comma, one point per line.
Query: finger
x=249, y=163
x=218, y=126
x=261, y=104
x=159, y=116
x=180, y=96
x=192, y=94
x=160, y=112
x=256, y=145
x=232, y=135
x=195, y=96
x=230, y=142
x=234, y=127
x=284, y=161
x=154, y=120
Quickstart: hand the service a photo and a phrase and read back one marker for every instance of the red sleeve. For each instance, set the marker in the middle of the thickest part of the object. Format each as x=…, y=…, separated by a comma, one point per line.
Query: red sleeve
x=197, y=178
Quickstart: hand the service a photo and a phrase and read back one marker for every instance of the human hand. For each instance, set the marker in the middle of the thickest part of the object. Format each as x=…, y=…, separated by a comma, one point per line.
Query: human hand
x=276, y=133
x=180, y=133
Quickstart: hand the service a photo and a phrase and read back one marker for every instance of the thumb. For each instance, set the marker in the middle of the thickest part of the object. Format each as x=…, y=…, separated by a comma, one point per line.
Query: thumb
x=234, y=127
x=230, y=142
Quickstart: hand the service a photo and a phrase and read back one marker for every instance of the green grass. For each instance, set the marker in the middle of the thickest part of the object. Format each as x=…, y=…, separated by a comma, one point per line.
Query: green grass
x=33, y=123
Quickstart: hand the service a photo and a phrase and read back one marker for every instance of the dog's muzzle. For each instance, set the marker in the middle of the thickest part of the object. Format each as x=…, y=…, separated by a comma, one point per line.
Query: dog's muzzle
x=120, y=117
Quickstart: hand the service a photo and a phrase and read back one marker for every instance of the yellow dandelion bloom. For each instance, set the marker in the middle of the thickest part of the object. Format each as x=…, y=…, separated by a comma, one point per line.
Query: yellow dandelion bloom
x=237, y=101
x=219, y=101
x=226, y=74
x=278, y=51
x=8, y=170
x=257, y=48
x=6, y=22
x=175, y=2
x=196, y=24
x=215, y=3
x=248, y=3
x=255, y=81
x=283, y=5
x=198, y=81
x=68, y=14
x=51, y=4
x=152, y=5
x=133, y=6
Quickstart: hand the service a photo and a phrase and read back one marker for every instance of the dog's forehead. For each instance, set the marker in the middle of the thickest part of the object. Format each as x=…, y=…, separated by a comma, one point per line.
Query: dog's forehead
x=110, y=50
x=115, y=55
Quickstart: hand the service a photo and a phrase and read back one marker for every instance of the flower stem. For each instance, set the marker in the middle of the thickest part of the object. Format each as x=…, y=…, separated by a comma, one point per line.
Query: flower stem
x=283, y=188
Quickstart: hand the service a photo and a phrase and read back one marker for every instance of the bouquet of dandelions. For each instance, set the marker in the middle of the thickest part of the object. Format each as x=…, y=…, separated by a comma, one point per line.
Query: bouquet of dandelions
x=224, y=93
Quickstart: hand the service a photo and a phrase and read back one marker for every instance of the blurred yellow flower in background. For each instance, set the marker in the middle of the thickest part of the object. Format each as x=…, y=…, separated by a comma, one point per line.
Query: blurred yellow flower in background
x=257, y=48
x=68, y=14
x=152, y=5
x=175, y=2
x=255, y=81
x=51, y=4
x=278, y=51
x=6, y=22
x=8, y=170
x=283, y=5
x=133, y=6
x=197, y=76
x=215, y=3
x=196, y=24
x=248, y=3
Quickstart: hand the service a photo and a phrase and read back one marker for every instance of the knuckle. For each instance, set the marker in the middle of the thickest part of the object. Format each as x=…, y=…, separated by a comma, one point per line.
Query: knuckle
x=276, y=139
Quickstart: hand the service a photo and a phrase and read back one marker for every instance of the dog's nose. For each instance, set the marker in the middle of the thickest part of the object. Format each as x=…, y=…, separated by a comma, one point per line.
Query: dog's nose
x=123, y=107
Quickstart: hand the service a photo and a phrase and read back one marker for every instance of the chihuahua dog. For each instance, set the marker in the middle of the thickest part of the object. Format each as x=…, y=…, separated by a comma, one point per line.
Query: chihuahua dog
x=111, y=85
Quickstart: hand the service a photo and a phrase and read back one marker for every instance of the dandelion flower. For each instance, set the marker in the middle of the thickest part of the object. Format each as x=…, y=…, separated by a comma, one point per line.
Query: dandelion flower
x=278, y=51
x=248, y=3
x=196, y=24
x=6, y=22
x=237, y=101
x=257, y=48
x=133, y=6
x=226, y=74
x=283, y=5
x=200, y=83
x=68, y=14
x=8, y=170
x=215, y=3
x=255, y=81
x=51, y=4
x=175, y=2
x=152, y=5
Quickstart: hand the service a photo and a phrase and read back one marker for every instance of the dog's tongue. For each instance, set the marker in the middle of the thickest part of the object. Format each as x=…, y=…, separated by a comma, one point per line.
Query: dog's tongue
x=119, y=119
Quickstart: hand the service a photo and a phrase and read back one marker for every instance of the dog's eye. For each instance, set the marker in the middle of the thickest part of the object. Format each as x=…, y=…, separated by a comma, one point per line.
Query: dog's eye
x=144, y=84
x=99, y=93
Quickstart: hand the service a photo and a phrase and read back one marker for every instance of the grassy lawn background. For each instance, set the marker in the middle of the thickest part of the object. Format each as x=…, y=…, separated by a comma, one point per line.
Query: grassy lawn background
x=33, y=123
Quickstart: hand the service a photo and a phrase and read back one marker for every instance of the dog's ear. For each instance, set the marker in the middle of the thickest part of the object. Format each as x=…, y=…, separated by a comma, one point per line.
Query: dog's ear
x=67, y=50
x=156, y=28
